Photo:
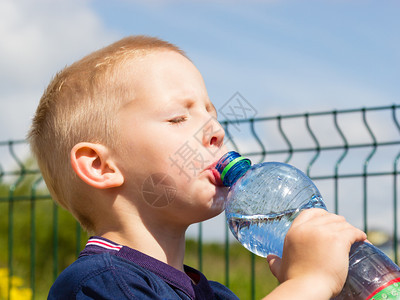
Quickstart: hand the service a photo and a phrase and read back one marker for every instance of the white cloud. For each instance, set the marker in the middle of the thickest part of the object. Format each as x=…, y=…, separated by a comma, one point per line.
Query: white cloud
x=37, y=38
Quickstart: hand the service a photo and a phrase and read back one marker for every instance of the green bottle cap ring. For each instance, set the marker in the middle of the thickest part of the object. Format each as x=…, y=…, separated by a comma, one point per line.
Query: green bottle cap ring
x=231, y=164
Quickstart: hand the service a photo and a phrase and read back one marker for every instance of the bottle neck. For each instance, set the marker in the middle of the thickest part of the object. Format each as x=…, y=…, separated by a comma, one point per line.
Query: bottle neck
x=232, y=166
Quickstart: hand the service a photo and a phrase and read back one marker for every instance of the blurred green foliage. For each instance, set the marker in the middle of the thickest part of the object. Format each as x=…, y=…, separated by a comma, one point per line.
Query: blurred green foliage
x=28, y=217
x=240, y=259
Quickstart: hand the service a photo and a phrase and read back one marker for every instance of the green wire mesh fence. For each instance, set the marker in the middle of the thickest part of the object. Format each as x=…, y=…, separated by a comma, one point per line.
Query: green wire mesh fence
x=352, y=156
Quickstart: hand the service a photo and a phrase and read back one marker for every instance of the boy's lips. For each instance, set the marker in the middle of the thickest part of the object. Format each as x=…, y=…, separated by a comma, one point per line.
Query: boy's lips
x=214, y=175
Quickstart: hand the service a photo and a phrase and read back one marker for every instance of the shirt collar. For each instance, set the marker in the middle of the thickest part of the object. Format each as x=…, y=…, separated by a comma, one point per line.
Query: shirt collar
x=174, y=277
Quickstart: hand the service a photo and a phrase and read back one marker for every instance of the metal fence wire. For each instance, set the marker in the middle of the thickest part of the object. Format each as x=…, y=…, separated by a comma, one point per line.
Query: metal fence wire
x=352, y=156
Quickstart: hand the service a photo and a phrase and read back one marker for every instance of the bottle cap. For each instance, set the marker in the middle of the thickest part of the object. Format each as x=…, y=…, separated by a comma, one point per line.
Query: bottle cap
x=232, y=163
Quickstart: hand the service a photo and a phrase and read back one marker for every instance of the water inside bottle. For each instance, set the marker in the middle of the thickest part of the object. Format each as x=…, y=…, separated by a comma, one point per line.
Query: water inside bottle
x=264, y=234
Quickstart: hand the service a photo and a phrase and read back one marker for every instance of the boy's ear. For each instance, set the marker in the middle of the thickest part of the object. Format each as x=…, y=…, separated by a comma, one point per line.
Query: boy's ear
x=93, y=164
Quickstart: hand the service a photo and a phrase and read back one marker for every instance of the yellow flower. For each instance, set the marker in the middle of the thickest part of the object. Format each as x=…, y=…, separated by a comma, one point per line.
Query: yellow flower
x=17, y=292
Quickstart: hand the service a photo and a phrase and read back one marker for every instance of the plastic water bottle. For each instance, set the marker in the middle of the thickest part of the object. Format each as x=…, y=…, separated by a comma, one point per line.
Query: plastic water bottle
x=262, y=203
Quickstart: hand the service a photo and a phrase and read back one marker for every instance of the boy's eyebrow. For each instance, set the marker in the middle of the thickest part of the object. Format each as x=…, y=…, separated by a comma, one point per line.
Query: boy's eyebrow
x=189, y=102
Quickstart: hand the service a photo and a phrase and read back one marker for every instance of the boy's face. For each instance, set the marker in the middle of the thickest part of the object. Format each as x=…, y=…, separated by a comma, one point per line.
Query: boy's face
x=170, y=138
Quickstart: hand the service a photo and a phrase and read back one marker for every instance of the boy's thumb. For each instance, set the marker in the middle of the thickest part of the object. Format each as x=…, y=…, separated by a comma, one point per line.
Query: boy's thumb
x=274, y=263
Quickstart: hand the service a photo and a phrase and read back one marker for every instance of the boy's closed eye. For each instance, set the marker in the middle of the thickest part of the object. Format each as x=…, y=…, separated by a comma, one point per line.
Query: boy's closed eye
x=177, y=120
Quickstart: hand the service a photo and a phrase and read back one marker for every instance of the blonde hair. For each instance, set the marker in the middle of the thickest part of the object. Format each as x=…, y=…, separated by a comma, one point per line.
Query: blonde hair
x=80, y=105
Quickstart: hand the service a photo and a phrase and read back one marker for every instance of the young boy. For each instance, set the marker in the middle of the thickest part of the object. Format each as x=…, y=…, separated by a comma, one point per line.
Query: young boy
x=106, y=135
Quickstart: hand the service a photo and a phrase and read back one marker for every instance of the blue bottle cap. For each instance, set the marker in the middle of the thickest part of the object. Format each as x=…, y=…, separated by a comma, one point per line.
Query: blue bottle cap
x=228, y=161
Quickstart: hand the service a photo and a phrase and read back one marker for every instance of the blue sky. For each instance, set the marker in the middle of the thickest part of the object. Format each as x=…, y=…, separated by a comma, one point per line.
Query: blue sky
x=282, y=56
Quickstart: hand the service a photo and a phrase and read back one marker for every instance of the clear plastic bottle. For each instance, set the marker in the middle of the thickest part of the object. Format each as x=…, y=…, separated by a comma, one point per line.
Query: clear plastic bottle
x=263, y=201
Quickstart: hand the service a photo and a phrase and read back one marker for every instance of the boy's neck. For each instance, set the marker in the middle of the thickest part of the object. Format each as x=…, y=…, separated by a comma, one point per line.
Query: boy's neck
x=162, y=243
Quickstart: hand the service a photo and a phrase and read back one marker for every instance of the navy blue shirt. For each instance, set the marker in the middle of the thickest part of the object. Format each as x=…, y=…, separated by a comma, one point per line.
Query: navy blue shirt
x=106, y=270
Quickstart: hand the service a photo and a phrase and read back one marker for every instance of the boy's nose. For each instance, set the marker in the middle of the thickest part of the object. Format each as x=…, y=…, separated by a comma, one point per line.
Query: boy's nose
x=213, y=134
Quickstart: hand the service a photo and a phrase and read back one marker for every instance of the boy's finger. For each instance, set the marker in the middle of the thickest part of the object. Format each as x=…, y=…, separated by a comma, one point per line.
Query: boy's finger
x=357, y=235
x=274, y=263
x=309, y=214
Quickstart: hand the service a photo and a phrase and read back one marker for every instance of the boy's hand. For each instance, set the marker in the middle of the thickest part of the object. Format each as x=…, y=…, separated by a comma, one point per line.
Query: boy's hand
x=316, y=251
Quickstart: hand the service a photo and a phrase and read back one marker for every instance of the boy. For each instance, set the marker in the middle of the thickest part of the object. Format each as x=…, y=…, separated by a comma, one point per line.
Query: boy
x=105, y=135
